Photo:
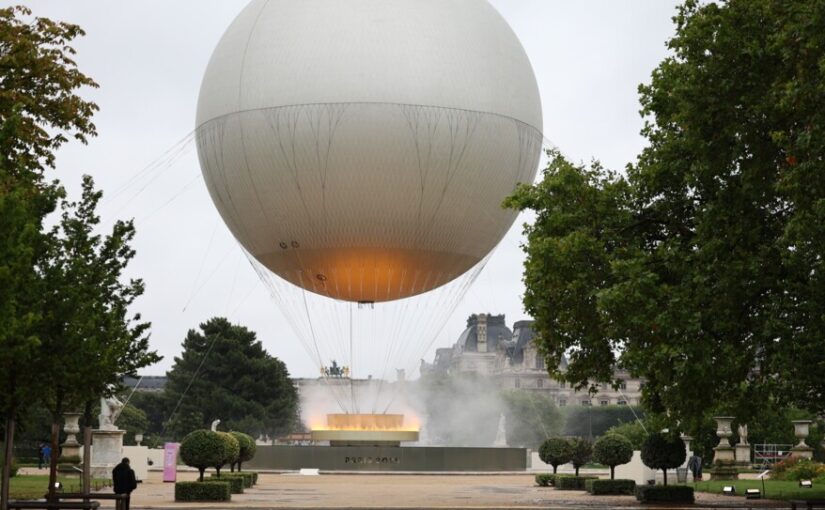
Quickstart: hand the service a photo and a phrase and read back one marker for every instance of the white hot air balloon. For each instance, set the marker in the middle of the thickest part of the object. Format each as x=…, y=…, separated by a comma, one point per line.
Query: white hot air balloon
x=360, y=150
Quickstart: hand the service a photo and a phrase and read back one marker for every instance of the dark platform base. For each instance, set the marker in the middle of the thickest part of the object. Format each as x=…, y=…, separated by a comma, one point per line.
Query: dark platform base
x=388, y=458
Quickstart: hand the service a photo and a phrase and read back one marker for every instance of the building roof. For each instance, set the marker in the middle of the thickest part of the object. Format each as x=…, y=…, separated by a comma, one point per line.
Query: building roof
x=497, y=331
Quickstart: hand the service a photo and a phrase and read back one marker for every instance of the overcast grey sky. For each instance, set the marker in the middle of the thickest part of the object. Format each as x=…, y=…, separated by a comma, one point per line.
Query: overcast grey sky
x=149, y=57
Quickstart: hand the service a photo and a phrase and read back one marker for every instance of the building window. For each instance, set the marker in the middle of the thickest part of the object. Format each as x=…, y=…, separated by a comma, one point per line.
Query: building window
x=622, y=385
x=562, y=385
x=540, y=383
x=604, y=402
x=622, y=402
x=518, y=382
x=562, y=402
x=539, y=362
x=586, y=402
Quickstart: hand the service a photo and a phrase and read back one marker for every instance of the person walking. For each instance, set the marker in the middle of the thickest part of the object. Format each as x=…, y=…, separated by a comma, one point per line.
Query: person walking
x=40, y=455
x=695, y=466
x=123, y=478
x=47, y=454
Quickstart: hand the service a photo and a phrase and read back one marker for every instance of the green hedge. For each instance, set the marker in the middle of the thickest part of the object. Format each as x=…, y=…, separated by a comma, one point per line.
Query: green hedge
x=664, y=493
x=202, y=491
x=572, y=483
x=545, y=479
x=236, y=482
x=600, y=487
x=254, y=476
x=248, y=478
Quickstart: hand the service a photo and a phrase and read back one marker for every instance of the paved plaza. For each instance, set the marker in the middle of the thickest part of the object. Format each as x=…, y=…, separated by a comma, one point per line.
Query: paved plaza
x=485, y=491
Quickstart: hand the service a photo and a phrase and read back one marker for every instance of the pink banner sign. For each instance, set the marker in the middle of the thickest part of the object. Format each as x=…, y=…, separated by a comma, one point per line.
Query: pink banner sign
x=170, y=462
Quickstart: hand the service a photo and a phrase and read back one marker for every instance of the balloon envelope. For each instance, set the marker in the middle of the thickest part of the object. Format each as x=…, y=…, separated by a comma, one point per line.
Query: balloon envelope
x=361, y=149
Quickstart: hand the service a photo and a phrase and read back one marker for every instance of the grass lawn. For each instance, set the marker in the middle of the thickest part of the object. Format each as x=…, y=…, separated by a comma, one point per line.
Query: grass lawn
x=35, y=486
x=774, y=489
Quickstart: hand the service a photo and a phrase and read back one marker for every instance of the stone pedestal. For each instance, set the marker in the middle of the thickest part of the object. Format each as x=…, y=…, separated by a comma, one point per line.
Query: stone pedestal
x=71, y=448
x=107, y=452
x=801, y=429
x=724, y=455
x=688, y=452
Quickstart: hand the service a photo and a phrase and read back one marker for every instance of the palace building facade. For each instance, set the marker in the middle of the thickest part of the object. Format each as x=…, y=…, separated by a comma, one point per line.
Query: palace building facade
x=489, y=347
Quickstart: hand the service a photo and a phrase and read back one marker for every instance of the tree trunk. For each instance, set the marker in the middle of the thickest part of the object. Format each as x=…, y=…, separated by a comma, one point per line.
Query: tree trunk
x=554, y=469
x=232, y=468
x=612, y=472
x=239, y=466
x=664, y=474
x=201, y=470
x=577, y=470
x=87, y=452
x=53, y=458
x=8, y=447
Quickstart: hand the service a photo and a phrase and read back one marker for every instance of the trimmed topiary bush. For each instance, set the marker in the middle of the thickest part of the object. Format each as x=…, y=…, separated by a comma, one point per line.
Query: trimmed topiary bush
x=231, y=451
x=202, y=449
x=236, y=481
x=664, y=493
x=612, y=450
x=661, y=451
x=202, y=491
x=555, y=451
x=572, y=483
x=581, y=452
x=248, y=479
x=545, y=479
x=248, y=447
x=254, y=476
x=610, y=487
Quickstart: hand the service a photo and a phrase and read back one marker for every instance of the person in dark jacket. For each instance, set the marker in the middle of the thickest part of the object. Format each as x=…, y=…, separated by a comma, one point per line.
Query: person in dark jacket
x=123, y=477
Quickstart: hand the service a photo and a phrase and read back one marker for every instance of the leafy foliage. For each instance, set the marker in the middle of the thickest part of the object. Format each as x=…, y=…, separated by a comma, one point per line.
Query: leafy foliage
x=664, y=493
x=203, y=491
x=612, y=450
x=545, y=479
x=202, y=449
x=572, y=483
x=663, y=451
x=240, y=383
x=610, y=487
x=530, y=418
x=797, y=468
x=556, y=451
x=247, y=448
x=593, y=421
x=632, y=431
x=712, y=250
x=231, y=451
x=581, y=451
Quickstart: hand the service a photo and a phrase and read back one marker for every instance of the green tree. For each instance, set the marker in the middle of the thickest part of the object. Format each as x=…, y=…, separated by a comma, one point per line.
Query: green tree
x=633, y=431
x=663, y=451
x=710, y=252
x=231, y=451
x=88, y=338
x=247, y=448
x=133, y=421
x=612, y=450
x=202, y=449
x=581, y=450
x=39, y=110
x=556, y=451
x=229, y=376
x=530, y=418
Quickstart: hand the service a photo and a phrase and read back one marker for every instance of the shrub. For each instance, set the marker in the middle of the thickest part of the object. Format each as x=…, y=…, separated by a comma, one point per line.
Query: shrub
x=202, y=449
x=14, y=465
x=545, y=479
x=612, y=450
x=236, y=482
x=797, y=468
x=664, y=493
x=555, y=451
x=581, y=452
x=633, y=431
x=572, y=483
x=248, y=479
x=247, y=446
x=660, y=451
x=254, y=476
x=601, y=487
x=231, y=450
x=202, y=491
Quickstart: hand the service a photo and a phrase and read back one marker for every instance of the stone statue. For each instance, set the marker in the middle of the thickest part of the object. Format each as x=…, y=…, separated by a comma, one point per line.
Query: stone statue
x=110, y=408
x=215, y=425
x=742, y=430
